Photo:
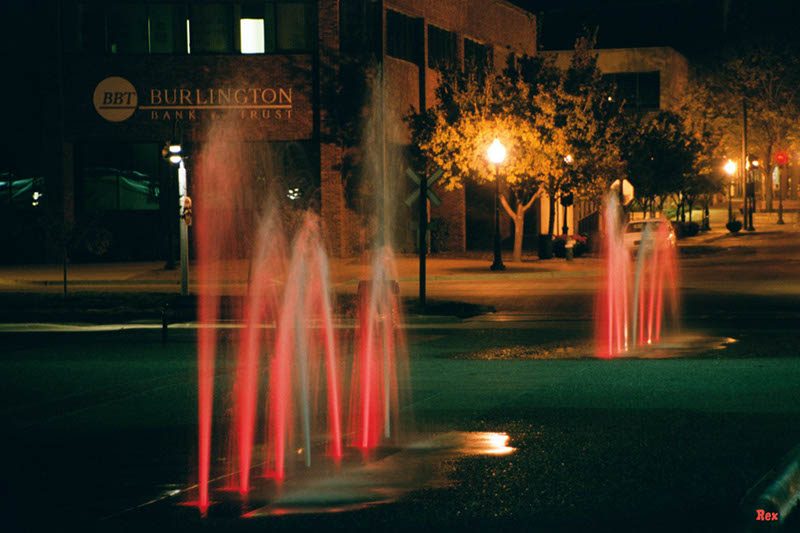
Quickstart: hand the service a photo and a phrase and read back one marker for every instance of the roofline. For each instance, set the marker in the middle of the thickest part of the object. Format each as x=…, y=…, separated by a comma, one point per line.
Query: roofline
x=566, y=51
x=516, y=8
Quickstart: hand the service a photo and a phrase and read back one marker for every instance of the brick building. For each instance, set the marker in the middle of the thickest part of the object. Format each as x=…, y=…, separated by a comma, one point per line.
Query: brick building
x=128, y=76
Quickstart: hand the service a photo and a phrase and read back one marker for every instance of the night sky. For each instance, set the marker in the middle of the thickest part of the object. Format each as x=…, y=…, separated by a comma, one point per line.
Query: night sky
x=700, y=29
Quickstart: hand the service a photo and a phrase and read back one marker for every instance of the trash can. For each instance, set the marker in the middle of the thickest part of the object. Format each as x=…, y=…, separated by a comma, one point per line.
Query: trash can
x=568, y=249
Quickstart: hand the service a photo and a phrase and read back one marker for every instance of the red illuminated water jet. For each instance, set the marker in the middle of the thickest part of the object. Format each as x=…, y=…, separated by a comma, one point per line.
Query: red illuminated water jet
x=631, y=302
x=306, y=343
x=379, y=358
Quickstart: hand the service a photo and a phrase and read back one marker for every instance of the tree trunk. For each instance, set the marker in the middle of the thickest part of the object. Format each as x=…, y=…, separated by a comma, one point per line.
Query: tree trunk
x=552, y=215
x=690, y=204
x=518, y=217
x=519, y=221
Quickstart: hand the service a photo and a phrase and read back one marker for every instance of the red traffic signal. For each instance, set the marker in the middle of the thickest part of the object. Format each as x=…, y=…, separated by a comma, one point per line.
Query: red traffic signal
x=781, y=158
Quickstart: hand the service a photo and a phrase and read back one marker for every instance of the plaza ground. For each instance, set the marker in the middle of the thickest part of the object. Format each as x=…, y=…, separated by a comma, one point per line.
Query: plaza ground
x=100, y=422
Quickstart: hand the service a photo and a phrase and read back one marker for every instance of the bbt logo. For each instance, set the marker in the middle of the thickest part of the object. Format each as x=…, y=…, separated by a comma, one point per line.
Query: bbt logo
x=115, y=99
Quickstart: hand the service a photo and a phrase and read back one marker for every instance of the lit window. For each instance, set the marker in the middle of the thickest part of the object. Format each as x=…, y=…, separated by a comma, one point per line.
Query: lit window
x=252, y=31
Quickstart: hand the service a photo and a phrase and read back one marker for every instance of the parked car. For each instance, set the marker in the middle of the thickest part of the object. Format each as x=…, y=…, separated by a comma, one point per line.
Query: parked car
x=634, y=231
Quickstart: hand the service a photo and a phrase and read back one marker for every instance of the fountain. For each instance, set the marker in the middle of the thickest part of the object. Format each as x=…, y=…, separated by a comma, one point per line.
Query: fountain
x=379, y=358
x=305, y=333
x=630, y=308
x=283, y=398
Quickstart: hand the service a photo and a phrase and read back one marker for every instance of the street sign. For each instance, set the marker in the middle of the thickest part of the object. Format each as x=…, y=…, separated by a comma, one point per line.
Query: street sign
x=781, y=158
x=627, y=190
x=436, y=176
x=422, y=192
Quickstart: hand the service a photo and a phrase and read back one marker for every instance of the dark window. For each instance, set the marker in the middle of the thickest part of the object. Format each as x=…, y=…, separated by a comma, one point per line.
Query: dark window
x=164, y=29
x=90, y=28
x=403, y=37
x=649, y=90
x=127, y=29
x=199, y=28
x=292, y=28
x=641, y=91
x=120, y=177
x=442, y=48
x=359, y=27
x=20, y=193
x=478, y=57
x=210, y=29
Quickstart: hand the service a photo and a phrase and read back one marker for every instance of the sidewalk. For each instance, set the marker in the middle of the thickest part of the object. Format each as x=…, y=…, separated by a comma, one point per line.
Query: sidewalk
x=152, y=277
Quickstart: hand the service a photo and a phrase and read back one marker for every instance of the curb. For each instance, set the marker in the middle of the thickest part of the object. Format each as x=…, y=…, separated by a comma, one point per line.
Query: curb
x=776, y=494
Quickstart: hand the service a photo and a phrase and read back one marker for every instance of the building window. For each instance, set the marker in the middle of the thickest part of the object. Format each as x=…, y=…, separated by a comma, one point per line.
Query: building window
x=127, y=29
x=276, y=27
x=199, y=28
x=403, y=36
x=478, y=57
x=211, y=29
x=641, y=91
x=359, y=27
x=118, y=177
x=251, y=29
x=162, y=30
x=20, y=193
x=442, y=48
x=86, y=30
x=293, y=25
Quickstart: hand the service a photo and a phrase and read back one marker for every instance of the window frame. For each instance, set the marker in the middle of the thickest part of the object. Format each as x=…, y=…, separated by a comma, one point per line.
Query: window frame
x=75, y=21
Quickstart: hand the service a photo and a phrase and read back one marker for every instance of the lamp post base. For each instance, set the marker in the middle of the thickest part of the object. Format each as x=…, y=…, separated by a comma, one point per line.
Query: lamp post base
x=497, y=265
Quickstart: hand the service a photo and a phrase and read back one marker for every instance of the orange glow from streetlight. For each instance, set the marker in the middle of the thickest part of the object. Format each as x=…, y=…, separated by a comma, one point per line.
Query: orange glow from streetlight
x=730, y=167
x=497, y=152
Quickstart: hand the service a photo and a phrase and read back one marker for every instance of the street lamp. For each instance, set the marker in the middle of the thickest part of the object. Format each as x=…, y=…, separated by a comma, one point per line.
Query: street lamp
x=566, y=201
x=497, y=154
x=173, y=154
x=730, y=169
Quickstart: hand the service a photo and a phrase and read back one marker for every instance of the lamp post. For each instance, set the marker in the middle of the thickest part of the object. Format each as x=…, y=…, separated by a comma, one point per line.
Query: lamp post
x=497, y=154
x=730, y=169
x=782, y=159
x=566, y=201
x=173, y=154
x=750, y=193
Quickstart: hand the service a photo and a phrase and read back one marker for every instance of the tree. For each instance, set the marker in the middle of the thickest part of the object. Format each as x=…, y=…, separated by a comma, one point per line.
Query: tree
x=456, y=133
x=581, y=123
x=595, y=126
x=662, y=160
x=766, y=77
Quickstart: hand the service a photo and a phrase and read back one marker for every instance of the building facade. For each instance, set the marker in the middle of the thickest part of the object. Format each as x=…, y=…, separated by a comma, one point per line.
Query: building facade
x=129, y=76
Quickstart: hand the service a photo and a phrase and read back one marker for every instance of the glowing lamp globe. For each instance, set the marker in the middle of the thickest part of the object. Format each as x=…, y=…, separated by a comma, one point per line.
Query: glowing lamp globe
x=497, y=152
x=730, y=167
